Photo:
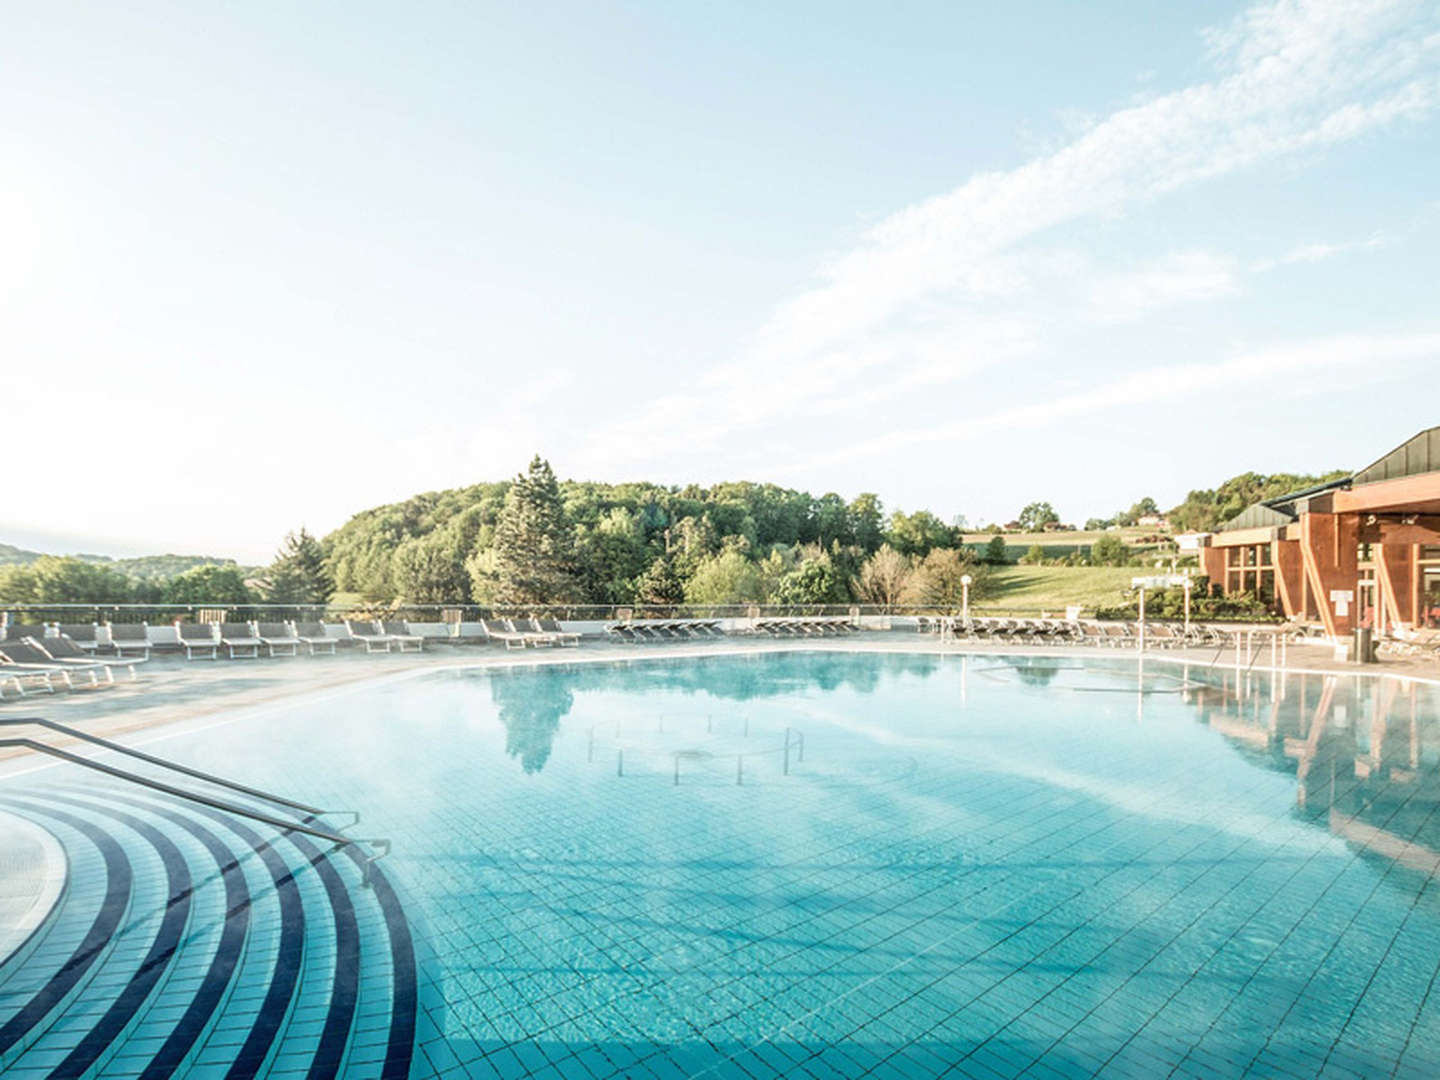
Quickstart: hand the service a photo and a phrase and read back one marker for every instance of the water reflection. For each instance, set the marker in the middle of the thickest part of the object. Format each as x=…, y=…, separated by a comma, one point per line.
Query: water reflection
x=531, y=704
x=1365, y=752
x=533, y=701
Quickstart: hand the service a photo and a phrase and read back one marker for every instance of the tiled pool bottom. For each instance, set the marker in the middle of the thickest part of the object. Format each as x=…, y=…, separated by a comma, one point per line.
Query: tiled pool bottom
x=982, y=867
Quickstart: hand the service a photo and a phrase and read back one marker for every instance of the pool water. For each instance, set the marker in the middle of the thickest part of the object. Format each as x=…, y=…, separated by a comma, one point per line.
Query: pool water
x=887, y=865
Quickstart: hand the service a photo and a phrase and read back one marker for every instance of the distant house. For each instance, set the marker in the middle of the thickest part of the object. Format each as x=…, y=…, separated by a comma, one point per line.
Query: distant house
x=1152, y=521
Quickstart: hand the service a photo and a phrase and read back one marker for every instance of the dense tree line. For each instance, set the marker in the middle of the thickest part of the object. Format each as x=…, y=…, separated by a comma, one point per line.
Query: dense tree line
x=1206, y=510
x=53, y=579
x=538, y=540
x=298, y=575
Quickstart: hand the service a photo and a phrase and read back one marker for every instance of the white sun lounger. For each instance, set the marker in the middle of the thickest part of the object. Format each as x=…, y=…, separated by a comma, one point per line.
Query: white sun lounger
x=199, y=637
x=240, y=636
x=400, y=633
x=277, y=635
x=368, y=633
x=64, y=651
x=125, y=637
x=313, y=634
x=509, y=638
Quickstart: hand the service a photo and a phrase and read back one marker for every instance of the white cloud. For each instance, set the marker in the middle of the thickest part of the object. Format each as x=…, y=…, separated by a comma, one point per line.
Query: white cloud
x=1184, y=276
x=1294, y=76
x=947, y=286
x=1313, y=253
x=1314, y=360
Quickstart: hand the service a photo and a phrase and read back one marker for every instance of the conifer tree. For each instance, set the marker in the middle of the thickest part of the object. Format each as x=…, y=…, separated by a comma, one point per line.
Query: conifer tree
x=299, y=574
x=660, y=584
x=534, y=549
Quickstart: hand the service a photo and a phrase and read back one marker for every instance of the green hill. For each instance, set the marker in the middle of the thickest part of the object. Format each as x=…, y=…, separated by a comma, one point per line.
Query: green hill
x=140, y=567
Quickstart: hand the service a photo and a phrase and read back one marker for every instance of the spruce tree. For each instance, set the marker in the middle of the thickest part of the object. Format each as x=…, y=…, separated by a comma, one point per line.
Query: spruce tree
x=660, y=584
x=534, y=549
x=299, y=574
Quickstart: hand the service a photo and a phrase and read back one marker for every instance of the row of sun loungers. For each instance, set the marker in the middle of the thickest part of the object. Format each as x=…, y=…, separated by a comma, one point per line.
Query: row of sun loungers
x=638, y=630
x=806, y=626
x=1424, y=642
x=1078, y=632
x=254, y=639
x=42, y=663
x=518, y=633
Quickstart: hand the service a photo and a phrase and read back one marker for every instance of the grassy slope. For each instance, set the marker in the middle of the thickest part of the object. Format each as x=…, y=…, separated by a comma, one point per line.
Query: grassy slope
x=1051, y=588
x=1079, y=538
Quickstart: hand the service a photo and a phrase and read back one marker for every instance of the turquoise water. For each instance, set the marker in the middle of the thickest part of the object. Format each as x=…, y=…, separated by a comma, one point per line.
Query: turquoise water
x=976, y=866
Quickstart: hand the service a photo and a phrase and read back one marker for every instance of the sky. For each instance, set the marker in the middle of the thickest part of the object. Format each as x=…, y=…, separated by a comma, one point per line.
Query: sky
x=266, y=265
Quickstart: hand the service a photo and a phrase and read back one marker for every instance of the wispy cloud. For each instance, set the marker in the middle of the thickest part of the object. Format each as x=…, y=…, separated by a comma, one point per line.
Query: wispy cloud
x=1293, y=76
x=1313, y=253
x=1184, y=276
x=1315, y=360
x=944, y=287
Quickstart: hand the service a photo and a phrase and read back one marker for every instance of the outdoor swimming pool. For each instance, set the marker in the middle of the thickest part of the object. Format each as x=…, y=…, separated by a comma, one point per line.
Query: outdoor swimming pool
x=976, y=866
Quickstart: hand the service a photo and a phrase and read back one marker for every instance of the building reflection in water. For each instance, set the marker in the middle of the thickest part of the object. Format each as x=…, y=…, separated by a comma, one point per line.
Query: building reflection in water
x=1364, y=751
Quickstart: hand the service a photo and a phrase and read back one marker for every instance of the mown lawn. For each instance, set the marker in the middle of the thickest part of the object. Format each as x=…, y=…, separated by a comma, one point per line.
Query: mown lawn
x=1052, y=588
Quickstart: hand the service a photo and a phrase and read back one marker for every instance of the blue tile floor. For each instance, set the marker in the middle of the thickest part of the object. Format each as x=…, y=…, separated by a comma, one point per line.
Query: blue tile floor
x=975, y=867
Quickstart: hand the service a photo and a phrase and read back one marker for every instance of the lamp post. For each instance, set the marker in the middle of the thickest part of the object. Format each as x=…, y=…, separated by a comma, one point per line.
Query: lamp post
x=1142, y=619
x=965, y=599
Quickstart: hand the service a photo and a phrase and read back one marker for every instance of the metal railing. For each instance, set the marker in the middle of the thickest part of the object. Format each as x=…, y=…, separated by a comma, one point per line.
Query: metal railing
x=165, y=614
x=381, y=846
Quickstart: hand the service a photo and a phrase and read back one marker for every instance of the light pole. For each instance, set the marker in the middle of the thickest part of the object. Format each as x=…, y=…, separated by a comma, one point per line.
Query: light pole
x=1142, y=618
x=965, y=600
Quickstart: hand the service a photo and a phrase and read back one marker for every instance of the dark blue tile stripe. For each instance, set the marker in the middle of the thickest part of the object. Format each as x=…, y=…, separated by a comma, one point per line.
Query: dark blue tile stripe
x=289, y=958
x=197, y=1015
x=403, y=995
x=119, y=879
x=345, y=990
x=162, y=949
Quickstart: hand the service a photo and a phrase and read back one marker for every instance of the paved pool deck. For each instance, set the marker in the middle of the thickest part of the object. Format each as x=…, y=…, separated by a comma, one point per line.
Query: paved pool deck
x=32, y=877
x=171, y=690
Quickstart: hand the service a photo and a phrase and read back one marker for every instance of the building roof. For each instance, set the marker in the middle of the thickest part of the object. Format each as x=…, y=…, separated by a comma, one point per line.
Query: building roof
x=1259, y=516
x=1419, y=454
x=1281, y=510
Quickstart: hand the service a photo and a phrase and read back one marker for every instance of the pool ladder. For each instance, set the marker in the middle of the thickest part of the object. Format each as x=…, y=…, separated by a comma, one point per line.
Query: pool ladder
x=307, y=824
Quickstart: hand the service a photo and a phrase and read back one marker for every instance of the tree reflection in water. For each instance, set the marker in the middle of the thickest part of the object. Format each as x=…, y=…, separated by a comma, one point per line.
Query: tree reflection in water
x=531, y=704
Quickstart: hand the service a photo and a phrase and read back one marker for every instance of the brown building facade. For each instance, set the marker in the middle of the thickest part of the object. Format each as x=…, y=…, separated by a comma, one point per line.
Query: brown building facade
x=1360, y=551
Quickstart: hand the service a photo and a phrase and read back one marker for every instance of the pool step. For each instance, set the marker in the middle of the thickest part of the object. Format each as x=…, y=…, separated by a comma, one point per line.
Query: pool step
x=189, y=941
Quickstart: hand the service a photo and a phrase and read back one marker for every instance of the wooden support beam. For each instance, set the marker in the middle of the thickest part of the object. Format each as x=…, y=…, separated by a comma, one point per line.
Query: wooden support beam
x=1420, y=493
x=1393, y=567
x=1289, y=577
x=1328, y=551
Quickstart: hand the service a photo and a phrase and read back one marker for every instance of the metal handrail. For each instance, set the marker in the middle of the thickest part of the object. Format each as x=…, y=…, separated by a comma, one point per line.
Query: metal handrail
x=381, y=845
x=164, y=763
x=133, y=611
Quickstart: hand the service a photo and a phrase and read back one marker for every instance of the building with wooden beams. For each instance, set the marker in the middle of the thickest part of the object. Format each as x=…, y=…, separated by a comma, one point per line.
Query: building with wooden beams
x=1360, y=551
